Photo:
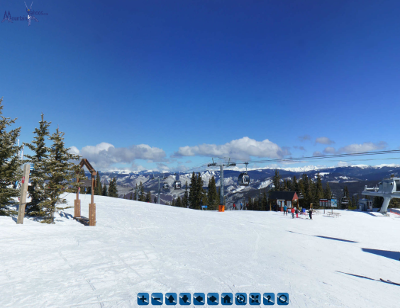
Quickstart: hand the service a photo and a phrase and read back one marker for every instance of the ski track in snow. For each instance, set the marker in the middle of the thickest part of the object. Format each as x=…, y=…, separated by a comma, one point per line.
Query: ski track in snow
x=141, y=247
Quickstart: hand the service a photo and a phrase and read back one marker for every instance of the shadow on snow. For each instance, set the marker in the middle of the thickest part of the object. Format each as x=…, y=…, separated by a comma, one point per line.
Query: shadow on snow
x=395, y=255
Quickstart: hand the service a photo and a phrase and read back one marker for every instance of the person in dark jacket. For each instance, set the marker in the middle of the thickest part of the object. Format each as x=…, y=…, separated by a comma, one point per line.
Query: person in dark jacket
x=297, y=212
x=310, y=213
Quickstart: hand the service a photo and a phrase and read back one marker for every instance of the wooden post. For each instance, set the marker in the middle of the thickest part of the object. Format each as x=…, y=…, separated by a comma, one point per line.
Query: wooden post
x=92, y=214
x=92, y=205
x=77, y=202
x=24, y=190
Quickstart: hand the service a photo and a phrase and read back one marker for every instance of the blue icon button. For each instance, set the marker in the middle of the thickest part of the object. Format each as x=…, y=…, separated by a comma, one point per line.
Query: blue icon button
x=199, y=299
x=212, y=299
x=171, y=299
x=269, y=299
x=282, y=299
x=241, y=298
x=157, y=299
x=143, y=299
x=226, y=299
x=255, y=299
x=185, y=299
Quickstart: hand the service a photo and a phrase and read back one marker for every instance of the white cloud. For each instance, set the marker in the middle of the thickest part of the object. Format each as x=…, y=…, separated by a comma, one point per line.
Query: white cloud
x=342, y=164
x=104, y=155
x=236, y=149
x=300, y=148
x=162, y=167
x=74, y=150
x=324, y=140
x=305, y=137
x=363, y=147
x=329, y=150
x=317, y=153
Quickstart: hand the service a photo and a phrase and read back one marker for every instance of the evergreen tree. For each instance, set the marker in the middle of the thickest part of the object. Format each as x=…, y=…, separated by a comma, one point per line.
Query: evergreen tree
x=301, y=191
x=308, y=189
x=295, y=186
x=173, y=202
x=178, y=202
x=142, y=196
x=213, y=198
x=148, y=196
x=264, y=202
x=327, y=192
x=377, y=202
x=193, y=191
x=319, y=190
x=276, y=180
x=112, y=188
x=10, y=163
x=61, y=173
x=98, y=190
x=39, y=162
x=185, y=199
x=200, y=192
x=250, y=203
x=104, y=192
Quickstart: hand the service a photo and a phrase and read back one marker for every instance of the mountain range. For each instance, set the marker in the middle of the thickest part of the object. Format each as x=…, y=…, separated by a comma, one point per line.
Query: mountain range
x=354, y=177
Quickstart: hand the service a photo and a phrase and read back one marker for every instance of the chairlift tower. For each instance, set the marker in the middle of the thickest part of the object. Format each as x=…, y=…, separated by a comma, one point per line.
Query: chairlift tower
x=387, y=189
x=159, y=187
x=221, y=166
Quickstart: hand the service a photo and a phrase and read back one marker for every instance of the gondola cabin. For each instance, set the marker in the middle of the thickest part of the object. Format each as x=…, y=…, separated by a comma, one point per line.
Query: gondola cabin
x=165, y=186
x=177, y=185
x=243, y=179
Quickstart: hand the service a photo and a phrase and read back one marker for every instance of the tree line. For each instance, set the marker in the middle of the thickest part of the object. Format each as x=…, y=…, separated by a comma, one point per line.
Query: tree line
x=196, y=196
x=101, y=189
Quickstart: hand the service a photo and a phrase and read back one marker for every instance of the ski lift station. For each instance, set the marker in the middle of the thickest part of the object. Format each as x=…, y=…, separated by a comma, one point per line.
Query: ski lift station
x=365, y=205
x=387, y=189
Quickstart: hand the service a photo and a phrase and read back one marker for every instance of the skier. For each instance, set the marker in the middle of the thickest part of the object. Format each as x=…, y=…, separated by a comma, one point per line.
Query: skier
x=234, y=206
x=285, y=210
x=310, y=213
x=292, y=212
x=297, y=212
x=241, y=206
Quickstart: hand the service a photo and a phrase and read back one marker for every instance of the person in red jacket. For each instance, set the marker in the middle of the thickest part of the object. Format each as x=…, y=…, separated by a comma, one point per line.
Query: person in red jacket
x=292, y=212
x=234, y=206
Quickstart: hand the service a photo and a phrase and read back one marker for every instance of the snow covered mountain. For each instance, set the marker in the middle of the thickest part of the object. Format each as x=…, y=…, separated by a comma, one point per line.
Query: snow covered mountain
x=352, y=176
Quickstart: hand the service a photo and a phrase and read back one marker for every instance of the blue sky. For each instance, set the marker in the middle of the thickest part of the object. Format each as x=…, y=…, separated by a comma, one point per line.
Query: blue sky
x=169, y=84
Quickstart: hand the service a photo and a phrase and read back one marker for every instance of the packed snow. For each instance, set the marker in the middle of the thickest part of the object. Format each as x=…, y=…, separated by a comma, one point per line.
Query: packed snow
x=142, y=247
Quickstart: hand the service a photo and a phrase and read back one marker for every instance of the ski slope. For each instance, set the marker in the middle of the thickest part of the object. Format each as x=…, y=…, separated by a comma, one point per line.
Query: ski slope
x=142, y=247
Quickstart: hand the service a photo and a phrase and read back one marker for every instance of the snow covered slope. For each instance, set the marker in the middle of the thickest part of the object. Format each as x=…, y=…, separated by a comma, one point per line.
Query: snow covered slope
x=142, y=247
